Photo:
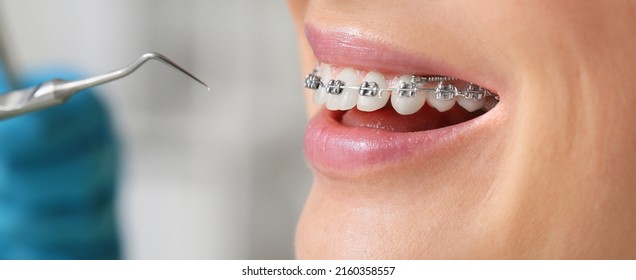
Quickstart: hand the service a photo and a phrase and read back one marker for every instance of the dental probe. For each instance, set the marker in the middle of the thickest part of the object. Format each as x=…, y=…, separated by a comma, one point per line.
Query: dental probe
x=58, y=91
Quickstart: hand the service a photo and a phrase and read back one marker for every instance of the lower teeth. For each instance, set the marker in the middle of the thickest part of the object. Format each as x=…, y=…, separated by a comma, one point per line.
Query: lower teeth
x=427, y=118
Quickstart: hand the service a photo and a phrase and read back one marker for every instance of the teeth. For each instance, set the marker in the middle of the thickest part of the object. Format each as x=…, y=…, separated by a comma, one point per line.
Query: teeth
x=405, y=105
x=320, y=95
x=471, y=104
x=349, y=96
x=372, y=103
x=408, y=94
x=440, y=105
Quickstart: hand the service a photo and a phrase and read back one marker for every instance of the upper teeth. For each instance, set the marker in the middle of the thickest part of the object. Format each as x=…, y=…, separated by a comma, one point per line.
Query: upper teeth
x=408, y=93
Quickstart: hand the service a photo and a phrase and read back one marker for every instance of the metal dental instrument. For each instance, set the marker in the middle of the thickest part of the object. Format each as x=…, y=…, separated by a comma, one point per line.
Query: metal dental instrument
x=57, y=91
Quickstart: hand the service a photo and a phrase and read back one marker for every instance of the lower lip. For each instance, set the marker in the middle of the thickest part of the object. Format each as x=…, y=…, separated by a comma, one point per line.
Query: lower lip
x=338, y=150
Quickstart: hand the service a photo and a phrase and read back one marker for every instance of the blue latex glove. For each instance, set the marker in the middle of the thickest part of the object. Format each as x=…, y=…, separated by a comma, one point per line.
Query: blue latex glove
x=57, y=180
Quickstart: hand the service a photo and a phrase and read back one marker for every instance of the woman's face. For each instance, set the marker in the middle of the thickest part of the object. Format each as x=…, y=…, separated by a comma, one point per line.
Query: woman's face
x=546, y=173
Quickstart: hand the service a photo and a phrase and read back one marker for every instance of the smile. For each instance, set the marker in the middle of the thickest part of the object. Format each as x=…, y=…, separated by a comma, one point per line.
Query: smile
x=359, y=131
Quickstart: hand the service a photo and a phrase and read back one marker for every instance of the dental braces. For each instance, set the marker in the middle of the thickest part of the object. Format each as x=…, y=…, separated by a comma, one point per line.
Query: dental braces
x=444, y=90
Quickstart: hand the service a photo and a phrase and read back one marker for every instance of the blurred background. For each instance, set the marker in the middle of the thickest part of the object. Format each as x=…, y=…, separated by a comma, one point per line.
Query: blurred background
x=216, y=175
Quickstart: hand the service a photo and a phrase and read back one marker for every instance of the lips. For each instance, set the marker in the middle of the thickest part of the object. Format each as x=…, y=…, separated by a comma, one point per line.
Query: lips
x=348, y=142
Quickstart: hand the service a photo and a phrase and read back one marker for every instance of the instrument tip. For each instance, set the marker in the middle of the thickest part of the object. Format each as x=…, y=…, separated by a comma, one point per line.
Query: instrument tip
x=162, y=58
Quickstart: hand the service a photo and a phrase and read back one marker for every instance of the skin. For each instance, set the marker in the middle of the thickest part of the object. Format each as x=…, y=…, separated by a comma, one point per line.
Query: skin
x=555, y=177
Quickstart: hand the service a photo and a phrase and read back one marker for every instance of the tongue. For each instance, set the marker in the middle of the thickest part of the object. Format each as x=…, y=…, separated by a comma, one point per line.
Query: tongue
x=426, y=118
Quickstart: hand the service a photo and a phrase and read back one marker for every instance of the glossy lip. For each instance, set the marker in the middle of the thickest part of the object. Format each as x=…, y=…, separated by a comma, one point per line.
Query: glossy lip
x=342, y=151
x=350, y=47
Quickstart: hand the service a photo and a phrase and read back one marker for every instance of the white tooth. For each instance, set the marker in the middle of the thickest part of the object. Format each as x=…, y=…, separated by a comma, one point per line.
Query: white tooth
x=407, y=105
x=320, y=95
x=347, y=99
x=349, y=95
x=372, y=103
x=471, y=104
x=440, y=105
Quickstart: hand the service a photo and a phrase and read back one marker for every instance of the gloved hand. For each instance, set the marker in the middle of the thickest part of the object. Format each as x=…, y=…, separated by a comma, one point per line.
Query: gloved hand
x=58, y=172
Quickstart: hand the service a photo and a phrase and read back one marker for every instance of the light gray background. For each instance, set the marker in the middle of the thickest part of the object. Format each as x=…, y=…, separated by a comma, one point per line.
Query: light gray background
x=206, y=175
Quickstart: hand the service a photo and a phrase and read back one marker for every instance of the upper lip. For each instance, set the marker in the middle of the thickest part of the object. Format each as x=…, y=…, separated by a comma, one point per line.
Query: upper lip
x=350, y=47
